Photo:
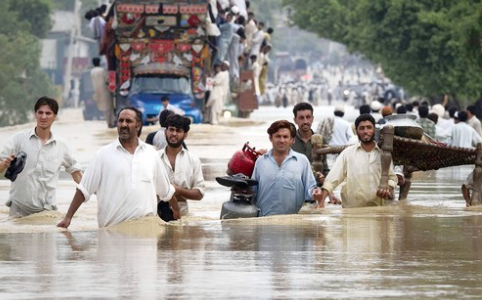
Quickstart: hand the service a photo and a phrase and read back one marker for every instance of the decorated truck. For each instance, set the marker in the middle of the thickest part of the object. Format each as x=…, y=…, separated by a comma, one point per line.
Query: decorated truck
x=161, y=49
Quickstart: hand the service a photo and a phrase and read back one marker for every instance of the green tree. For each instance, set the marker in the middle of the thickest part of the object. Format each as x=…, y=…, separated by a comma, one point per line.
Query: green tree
x=21, y=80
x=428, y=47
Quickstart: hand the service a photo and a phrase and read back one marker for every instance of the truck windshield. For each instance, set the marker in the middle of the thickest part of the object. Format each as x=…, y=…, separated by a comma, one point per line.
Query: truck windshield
x=161, y=85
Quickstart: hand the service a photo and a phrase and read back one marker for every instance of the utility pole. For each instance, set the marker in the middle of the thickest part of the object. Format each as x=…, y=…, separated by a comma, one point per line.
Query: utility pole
x=70, y=56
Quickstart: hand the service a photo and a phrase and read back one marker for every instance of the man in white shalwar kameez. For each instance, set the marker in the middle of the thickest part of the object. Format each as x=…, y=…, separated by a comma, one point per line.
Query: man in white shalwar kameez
x=102, y=94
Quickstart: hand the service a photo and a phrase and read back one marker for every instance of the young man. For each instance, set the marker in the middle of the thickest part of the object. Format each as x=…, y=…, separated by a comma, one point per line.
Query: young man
x=127, y=176
x=359, y=167
x=285, y=177
x=166, y=105
x=183, y=167
x=34, y=188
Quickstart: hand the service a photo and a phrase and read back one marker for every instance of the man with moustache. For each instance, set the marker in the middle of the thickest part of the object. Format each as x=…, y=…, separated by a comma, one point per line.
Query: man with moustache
x=284, y=176
x=127, y=176
x=183, y=168
x=33, y=190
x=359, y=168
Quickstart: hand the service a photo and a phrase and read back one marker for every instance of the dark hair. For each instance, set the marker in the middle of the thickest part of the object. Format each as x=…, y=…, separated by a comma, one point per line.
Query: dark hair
x=164, y=98
x=462, y=116
x=270, y=30
x=280, y=125
x=423, y=111
x=364, y=117
x=364, y=109
x=178, y=121
x=452, y=111
x=433, y=117
x=163, y=117
x=261, y=24
x=302, y=106
x=250, y=13
x=415, y=103
x=339, y=113
x=409, y=107
x=472, y=109
x=89, y=15
x=401, y=110
x=138, y=116
x=253, y=56
x=96, y=61
x=241, y=33
x=241, y=20
x=50, y=102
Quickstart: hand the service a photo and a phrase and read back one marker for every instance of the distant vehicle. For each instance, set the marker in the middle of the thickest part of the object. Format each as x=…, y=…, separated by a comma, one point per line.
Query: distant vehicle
x=86, y=92
x=146, y=93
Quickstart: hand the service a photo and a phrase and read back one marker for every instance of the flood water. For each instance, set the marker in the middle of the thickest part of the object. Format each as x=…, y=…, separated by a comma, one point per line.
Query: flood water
x=429, y=247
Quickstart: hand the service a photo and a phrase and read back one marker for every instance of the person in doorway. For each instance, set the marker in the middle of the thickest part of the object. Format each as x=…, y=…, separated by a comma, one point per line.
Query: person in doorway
x=359, y=168
x=127, y=176
x=183, y=167
x=284, y=176
x=34, y=188
x=102, y=94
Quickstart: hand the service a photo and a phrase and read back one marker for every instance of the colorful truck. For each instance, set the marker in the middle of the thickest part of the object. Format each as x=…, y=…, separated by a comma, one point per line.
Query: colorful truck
x=161, y=49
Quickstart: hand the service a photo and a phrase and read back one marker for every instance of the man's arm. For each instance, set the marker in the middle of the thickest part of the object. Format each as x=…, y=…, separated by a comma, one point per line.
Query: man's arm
x=77, y=176
x=191, y=194
x=74, y=206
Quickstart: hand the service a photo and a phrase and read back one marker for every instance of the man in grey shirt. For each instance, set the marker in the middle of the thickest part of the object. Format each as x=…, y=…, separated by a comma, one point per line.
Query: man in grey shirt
x=34, y=188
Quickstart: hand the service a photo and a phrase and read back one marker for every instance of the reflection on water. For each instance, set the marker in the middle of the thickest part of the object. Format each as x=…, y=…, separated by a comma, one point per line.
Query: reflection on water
x=429, y=247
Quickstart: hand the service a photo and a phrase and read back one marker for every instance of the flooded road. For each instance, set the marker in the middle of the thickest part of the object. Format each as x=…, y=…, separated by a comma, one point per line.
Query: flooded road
x=429, y=247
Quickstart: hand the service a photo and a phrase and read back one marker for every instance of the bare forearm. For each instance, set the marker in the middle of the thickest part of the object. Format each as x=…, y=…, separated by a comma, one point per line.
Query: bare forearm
x=77, y=176
x=76, y=203
x=193, y=194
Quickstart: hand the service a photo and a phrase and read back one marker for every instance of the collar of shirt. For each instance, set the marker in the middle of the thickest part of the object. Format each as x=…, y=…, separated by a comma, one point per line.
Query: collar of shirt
x=291, y=154
x=358, y=146
x=298, y=136
x=162, y=152
x=50, y=140
x=140, y=145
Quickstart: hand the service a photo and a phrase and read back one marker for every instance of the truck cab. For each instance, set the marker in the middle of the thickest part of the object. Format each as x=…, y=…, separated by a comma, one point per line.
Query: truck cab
x=146, y=93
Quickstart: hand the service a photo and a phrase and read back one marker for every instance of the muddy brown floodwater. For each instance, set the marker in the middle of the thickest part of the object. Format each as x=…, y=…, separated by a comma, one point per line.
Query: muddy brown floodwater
x=429, y=247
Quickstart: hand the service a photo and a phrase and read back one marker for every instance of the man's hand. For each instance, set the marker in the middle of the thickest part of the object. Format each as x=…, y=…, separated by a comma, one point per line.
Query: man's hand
x=65, y=223
x=333, y=199
x=4, y=164
x=385, y=193
x=320, y=178
x=320, y=196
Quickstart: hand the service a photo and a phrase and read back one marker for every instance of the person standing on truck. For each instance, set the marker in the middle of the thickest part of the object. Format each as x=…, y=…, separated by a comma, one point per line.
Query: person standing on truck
x=102, y=95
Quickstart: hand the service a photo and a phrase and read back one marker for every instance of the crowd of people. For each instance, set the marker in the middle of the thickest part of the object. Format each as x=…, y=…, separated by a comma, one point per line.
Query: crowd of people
x=133, y=179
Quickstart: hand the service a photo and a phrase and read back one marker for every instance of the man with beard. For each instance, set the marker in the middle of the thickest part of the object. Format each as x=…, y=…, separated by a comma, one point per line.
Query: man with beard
x=359, y=168
x=284, y=176
x=127, y=176
x=183, y=167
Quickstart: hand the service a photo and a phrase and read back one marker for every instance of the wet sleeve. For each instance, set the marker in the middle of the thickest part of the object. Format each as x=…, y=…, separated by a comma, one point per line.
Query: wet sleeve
x=337, y=173
x=164, y=188
x=198, y=176
x=91, y=179
x=69, y=162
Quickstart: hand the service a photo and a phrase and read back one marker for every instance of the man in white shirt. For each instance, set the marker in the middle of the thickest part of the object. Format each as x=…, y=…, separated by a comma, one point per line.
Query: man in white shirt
x=473, y=121
x=127, y=176
x=461, y=134
x=33, y=190
x=183, y=167
x=342, y=131
x=359, y=168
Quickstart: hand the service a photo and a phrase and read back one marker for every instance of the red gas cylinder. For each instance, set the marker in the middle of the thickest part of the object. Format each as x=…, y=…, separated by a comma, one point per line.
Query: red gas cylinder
x=243, y=161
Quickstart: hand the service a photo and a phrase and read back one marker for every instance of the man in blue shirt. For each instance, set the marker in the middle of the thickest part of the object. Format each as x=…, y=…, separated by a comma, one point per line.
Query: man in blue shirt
x=285, y=176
